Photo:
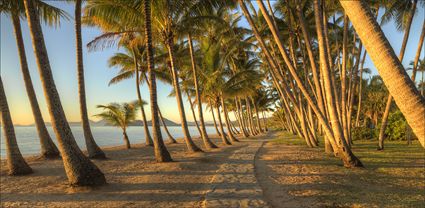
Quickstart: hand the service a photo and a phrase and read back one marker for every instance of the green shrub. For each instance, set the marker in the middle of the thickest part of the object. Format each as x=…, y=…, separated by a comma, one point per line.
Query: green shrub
x=397, y=126
x=363, y=133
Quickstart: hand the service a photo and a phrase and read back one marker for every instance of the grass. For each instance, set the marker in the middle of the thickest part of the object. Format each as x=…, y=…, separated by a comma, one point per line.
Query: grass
x=394, y=177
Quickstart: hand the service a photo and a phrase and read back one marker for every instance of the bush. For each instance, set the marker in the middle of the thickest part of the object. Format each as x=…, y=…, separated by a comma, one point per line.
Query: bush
x=397, y=128
x=363, y=133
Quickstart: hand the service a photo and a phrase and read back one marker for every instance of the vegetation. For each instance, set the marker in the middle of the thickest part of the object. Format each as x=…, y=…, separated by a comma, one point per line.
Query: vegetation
x=120, y=115
x=301, y=60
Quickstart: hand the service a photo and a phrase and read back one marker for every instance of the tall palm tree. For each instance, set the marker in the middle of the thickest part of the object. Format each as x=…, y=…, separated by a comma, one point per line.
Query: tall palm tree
x=409, y=21
x=120, y=115
x=15, y=162
x=79, y=169
x=168, y=15
x=50, y=15
x=207, y=142
x=344, y=152
x=93, y=149
x=161, y=152
x=400, y=86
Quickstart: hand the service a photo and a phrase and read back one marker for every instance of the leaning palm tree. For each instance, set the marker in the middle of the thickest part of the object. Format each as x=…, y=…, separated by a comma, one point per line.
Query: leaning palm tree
x=79, y=169
x=400, y=86
x=15, y=161
x=404, y=15
x=93, y=149
x=120, y=115
x=50, y=15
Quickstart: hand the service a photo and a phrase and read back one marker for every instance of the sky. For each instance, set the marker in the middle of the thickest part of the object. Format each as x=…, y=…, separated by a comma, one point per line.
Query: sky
x=60, y=43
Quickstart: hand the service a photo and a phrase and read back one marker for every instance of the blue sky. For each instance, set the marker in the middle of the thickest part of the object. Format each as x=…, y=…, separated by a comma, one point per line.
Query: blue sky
x=60, y=45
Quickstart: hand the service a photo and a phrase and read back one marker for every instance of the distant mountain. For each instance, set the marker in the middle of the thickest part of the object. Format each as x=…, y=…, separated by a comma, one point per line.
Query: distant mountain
x=135, y=123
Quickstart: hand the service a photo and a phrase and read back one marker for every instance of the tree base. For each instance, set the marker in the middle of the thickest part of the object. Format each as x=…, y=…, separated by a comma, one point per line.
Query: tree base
x=98, y=156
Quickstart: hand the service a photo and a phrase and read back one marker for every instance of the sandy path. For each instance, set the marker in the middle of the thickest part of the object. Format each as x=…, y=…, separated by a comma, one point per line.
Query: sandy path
x=235, y=184
x=223, y=177
x=134, y=180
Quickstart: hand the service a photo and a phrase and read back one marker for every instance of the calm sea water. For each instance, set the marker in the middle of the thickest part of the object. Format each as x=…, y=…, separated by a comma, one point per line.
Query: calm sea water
x=104, y=135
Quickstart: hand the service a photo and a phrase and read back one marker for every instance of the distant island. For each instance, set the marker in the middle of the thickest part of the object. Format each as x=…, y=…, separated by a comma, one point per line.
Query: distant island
x=135, y=123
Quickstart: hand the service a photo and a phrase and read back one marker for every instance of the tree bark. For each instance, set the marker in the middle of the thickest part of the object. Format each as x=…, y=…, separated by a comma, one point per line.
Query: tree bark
x=15, y=162
x=161, y=152
x=222, y=133
x=170, y=137
x=418, y=53
x=148, y=137
x=126, y=140
x=93, y=149
x=226, y=119
x=79, y=169
x=48, y=148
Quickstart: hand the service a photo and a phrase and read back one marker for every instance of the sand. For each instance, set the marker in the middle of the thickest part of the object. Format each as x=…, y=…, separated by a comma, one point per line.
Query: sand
x=136, y=180
x=256, y=172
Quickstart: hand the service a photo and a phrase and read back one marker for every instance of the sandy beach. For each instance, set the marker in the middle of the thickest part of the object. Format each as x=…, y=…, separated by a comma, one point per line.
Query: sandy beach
x=256, y=172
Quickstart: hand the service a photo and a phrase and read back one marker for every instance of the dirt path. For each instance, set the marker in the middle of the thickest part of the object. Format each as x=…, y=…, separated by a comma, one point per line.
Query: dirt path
x=235, y=184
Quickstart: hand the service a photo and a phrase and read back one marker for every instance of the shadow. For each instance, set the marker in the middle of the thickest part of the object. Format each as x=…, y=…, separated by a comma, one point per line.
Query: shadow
x=304, y=177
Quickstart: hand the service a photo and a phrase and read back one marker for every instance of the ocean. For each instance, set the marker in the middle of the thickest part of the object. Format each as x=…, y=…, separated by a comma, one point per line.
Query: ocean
x=29, y=143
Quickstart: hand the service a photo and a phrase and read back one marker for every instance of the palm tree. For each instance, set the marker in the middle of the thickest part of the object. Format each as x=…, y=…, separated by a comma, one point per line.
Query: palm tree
x=168, y=15
x=92, y=148
x=400, y=86
x=120, y=115
x=129, y=63
x=52, y=16
x=344, y=152
x=207, y=142
x=161, y=152
x=409, y=21
x=78, y=168
x=15, y=161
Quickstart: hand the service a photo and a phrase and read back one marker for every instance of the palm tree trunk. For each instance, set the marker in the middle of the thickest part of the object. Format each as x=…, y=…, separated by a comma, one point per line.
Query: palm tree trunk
x=161, y=152
x=170, y=137
x=239, y=119
x=222, y=133
x=191, y=146
x=226, y=119
x=193, y=113
x=258, y=116
x=78, y=168
x=48, y=148
x=359, y=104
x=350, y=160
x=126, y=140
x=384, y=121
x=215, y=123
x=344, y=80
x=92, y=148
x=418, y=52
x=322, y=119
x=148, y=137
x=400, y=86
x=15, y=162
x=207, y=142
